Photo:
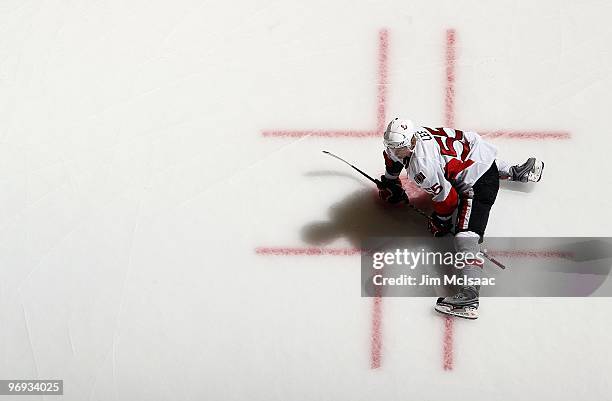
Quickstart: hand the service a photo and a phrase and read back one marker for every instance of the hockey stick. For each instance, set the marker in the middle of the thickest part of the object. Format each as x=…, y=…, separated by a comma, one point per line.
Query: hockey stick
x=376, y=181
x=407, y=202
x=493, y=260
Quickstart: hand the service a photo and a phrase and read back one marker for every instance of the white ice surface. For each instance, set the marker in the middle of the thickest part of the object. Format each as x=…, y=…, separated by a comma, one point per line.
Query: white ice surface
x=135, y=186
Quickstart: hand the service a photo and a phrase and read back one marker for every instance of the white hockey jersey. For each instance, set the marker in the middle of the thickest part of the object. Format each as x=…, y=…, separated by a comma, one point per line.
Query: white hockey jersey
x=445, y=162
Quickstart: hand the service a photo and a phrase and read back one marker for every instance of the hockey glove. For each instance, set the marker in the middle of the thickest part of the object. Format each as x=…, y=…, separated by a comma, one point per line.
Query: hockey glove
x=391, y=191
x=439, y=227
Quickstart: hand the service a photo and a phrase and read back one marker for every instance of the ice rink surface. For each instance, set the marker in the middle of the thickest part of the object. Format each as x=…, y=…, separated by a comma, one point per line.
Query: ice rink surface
x=170, y=229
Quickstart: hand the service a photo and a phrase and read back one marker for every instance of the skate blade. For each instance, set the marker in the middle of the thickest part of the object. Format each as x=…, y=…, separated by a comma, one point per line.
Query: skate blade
x=536, y=174
x=541, y=172
x=464, y=313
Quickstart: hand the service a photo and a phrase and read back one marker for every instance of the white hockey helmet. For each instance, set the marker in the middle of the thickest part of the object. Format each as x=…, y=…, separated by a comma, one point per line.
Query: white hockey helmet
x=399, y=133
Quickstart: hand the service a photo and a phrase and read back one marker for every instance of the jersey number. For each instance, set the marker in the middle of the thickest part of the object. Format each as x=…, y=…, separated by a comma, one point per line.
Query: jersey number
x=447, y=143
x=435, y=189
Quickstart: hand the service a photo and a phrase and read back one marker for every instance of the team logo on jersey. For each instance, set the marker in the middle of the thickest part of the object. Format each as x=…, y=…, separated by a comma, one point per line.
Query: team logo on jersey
x=419, y=178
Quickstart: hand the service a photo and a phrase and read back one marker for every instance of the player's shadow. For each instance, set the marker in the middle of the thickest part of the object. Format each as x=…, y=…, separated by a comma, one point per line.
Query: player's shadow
x=362, y=215
x=517, y=186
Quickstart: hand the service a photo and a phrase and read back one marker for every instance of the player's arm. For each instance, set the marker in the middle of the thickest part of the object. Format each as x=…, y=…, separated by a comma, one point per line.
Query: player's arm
x=393, y=166
x=390, y=188
x=444, y=195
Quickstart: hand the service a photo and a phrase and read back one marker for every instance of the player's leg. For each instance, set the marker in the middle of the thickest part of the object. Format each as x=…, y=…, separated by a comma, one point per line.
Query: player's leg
x=530, y=171
x=472, y=218
x=504, y=169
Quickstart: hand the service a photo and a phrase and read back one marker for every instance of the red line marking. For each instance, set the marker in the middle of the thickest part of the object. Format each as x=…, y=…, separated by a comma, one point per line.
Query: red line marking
x=449, y=98
x=383, y=58
x=323, y=251
x=498, y=134
x=319, y=133
x=449, y=120
x=376, y=336
x=559, y=135
x=533, y=254
x=447, y=351
x=307, y=251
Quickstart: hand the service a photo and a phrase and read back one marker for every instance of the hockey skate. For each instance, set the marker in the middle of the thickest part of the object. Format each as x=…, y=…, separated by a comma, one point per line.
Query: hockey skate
x=464, y=304
x=530, y=171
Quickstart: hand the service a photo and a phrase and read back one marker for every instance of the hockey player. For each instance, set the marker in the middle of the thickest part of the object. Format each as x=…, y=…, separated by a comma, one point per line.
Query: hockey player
x=460, y=170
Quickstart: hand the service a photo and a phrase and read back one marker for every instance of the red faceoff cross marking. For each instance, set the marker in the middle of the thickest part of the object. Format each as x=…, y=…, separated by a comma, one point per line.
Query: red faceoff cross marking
x=449, y=104
x=376, y=343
